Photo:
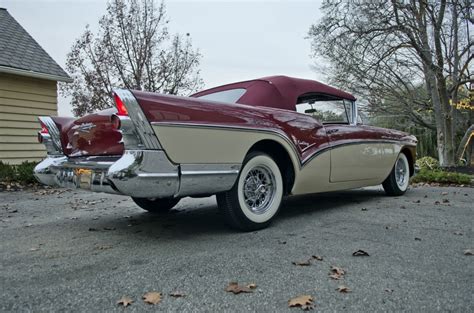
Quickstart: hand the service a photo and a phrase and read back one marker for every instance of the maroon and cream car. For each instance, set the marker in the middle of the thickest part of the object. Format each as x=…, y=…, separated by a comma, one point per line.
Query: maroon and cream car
x=249, y=143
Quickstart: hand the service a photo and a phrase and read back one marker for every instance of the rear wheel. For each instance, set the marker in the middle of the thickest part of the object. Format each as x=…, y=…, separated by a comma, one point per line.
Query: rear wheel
x=396, y=183
x=256, y=196
x=155, y=205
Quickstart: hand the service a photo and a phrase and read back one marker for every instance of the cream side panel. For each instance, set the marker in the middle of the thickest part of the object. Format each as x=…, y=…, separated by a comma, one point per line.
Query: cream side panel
x=314, y=178
x=363, y=161
x=185, y=144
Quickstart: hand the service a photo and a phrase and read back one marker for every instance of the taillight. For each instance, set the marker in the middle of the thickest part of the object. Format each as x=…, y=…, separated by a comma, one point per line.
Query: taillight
x=121, y=109
x=115, y=121
x=44, y=129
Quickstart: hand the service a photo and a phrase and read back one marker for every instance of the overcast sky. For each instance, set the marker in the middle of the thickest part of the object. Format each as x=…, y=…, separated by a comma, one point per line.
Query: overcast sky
x=239, y=40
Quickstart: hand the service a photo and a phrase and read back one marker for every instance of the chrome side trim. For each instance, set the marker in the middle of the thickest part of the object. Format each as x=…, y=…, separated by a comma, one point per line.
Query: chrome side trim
x=302, y=163
x=144, y=174
x=201, y=179
x=139, y=120
x=52, y=141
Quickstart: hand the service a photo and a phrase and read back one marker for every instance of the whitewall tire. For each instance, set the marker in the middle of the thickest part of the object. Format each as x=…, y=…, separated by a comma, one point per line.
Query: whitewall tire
x=256, y=196
x=397, y=182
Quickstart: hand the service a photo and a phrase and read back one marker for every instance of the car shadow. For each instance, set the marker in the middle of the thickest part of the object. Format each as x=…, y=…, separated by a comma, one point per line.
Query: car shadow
x=200, y=217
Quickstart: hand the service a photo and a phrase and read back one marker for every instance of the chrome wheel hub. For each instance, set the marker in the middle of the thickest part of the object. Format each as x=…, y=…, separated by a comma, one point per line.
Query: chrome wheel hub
x=401, y=171
x=259, y=189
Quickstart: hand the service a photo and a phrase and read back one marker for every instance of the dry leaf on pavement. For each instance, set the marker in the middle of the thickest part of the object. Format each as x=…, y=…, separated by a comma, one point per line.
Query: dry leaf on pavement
x=236, y=289
x=177, y=294
x=360, y=253
x=125, y=301
x=336, y=273
x=305, y=302
x=152, y=297
x=302, y=263
x=343, y=289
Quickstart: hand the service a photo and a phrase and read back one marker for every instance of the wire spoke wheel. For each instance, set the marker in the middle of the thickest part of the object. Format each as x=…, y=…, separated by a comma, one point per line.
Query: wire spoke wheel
x=259, y=189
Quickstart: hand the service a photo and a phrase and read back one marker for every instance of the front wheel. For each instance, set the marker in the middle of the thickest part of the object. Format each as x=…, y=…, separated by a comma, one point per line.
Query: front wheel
x=156, y=205
x=256, y=196
x=396, y=183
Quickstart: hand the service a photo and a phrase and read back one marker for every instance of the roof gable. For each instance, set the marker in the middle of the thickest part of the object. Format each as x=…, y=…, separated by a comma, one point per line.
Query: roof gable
x=21, y=54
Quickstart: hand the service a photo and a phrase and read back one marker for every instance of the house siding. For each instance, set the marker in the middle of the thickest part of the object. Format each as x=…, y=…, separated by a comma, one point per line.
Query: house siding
x=22, y=100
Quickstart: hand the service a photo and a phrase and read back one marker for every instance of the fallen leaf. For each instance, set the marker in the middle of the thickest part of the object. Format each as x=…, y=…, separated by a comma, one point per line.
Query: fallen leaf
x=236, y=289
x=336, y=273
x=317, y=257
x=305, y=302
x=152, y=297
x=360, y=253
x=125, y=301
x=343, y=289
x=177, y=294
x=302, y=263
x=468, y=252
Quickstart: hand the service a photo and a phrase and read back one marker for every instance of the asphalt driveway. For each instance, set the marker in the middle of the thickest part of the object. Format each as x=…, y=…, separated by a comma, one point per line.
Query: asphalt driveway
x=77, y=251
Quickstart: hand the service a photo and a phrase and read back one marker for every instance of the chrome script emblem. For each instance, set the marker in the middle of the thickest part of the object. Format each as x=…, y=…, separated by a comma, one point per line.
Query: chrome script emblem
x=85, y=127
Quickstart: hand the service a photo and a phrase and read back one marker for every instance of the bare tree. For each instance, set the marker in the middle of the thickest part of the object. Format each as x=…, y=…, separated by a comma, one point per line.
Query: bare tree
x=385, y=51
x=132, y=49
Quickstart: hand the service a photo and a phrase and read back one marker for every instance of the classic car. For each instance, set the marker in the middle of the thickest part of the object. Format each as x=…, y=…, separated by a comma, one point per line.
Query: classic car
x=249, y=143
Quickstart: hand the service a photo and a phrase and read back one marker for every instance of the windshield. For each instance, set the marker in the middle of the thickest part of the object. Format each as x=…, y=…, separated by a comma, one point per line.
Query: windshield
x=325, y=108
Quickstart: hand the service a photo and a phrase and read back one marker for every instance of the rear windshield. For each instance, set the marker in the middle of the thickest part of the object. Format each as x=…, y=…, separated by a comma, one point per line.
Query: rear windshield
x=229, y=96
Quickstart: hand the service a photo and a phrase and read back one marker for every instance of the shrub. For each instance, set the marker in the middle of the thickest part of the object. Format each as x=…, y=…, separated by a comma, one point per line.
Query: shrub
x=22, y=173
x=428, y=163
x=7, y=172
x=441, y=177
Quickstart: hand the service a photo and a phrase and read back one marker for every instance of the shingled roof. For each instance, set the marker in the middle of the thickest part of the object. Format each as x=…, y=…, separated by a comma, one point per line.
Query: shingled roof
x=20, y=54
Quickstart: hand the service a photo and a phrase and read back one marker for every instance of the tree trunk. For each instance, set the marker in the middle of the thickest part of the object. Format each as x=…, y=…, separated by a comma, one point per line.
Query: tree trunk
x=465, y=141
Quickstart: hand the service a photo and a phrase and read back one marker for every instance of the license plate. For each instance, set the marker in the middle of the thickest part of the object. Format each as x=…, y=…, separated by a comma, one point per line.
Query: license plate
x=83, y=178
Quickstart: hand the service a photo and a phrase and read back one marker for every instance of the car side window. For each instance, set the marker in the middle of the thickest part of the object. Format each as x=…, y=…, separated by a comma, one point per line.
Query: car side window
x=229, y=96
x=326, y=109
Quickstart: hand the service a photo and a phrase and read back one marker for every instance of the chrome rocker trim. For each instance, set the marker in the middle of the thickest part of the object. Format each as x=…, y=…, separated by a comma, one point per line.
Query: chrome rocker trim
x=137, y=173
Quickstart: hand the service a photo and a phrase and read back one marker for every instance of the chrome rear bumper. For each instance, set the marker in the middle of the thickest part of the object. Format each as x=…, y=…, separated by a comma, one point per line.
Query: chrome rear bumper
x=137, y=173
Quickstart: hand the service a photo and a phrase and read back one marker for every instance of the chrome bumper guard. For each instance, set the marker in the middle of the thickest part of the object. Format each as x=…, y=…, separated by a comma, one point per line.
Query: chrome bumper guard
x=130, y=174
x=137, y=173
